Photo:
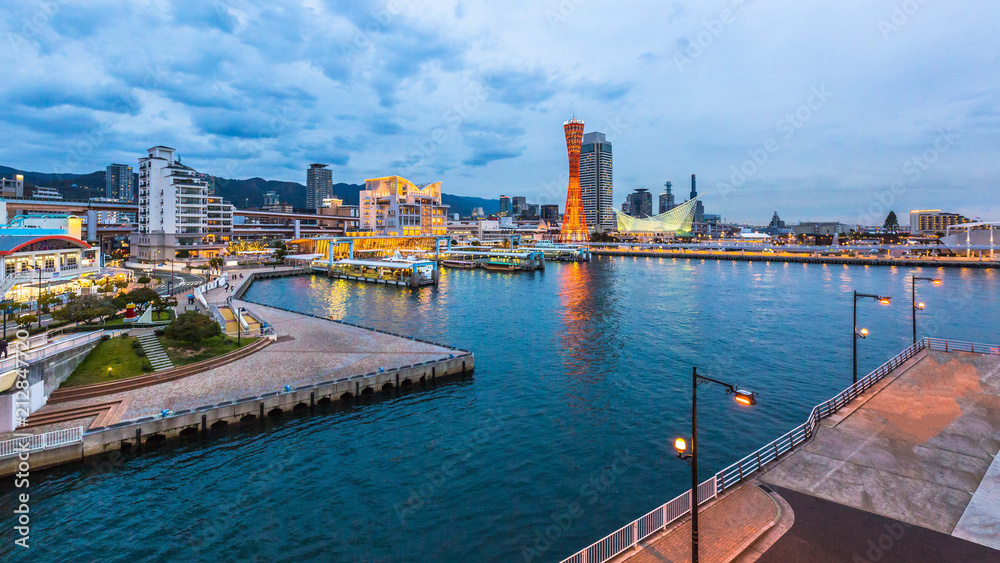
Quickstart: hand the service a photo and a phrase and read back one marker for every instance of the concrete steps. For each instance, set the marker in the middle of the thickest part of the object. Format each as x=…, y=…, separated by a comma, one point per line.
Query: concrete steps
x=154, y=351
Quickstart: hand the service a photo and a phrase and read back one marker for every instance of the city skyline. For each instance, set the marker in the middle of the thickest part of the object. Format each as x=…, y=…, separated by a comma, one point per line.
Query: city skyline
x=833, y=127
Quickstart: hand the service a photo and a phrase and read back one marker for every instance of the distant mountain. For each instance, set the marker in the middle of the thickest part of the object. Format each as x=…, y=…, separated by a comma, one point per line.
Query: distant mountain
x=242, y=193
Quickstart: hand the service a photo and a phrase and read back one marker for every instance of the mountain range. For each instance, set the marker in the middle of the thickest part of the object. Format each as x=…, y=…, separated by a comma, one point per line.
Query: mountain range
x=242, y=193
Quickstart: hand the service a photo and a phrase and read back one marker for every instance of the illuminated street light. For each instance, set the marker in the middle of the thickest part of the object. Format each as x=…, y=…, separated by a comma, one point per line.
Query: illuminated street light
x=913, y=297
x=742, y=397
x=884, y=300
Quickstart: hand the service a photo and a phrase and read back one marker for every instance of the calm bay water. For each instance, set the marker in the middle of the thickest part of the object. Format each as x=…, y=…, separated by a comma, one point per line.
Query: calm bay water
x=582, y=381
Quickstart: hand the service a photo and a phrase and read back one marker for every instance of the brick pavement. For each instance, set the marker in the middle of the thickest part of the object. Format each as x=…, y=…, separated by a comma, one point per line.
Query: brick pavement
x=726, y=527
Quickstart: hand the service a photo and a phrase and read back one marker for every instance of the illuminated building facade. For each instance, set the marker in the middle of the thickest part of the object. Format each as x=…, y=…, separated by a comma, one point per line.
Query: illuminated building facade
x=924, y=221
x=395, y=206
x=676, y=221
x=596, y=181
x=574, y=225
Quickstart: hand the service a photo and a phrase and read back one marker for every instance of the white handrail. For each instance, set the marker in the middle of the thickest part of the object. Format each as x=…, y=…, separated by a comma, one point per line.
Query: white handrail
x=37, y=442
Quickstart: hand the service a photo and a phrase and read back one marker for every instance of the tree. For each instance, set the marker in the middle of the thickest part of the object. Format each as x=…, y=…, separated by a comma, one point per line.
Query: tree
x=85, y=309
x=891, y=224
x=192, y=327
x=162, y=305
x=142, y=297
x=47, y=299
x=216, y=263
x=25, y=321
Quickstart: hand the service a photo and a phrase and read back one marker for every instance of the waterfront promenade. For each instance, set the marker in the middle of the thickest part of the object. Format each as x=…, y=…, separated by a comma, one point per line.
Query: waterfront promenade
x=915, y=453
x=310, y=359
x=751, y=256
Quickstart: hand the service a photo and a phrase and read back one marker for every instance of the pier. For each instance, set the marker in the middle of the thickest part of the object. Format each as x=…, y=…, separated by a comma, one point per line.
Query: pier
x=304, y=361
x=800, y=258
x=911, y=446
x=523, y=259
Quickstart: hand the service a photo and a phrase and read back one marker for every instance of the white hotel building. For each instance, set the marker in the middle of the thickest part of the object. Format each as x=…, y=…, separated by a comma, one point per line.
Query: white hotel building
x=176, y=212
x=395, y=206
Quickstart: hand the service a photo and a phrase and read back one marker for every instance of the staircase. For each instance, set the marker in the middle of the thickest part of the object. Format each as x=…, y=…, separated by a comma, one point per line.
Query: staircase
x=10, y=281
x=154, y=351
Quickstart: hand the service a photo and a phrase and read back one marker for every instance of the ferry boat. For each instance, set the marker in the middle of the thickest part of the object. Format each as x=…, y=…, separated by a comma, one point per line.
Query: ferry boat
x=458, y=263
x=501, y=266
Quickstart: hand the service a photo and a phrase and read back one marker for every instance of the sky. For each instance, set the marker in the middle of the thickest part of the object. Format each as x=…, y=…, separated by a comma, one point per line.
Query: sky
x=820, y=110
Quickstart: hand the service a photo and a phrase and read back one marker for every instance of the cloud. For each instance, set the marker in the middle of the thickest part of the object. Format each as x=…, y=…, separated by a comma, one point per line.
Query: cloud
x=474, y=94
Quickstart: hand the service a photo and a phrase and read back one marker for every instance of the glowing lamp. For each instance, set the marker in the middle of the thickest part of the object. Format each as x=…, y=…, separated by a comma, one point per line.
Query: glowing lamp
x=745, y=397
x=936, y=282
x=885, y=300
x=920, y=306
x=863, y=333
x=680, y=445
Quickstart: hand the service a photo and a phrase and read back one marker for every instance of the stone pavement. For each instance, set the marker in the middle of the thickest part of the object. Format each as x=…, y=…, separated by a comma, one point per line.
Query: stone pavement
x=725, y=528
x=916, y=451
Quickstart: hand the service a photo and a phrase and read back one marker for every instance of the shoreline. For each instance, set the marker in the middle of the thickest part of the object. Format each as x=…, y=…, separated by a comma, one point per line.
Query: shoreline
x=761, y=257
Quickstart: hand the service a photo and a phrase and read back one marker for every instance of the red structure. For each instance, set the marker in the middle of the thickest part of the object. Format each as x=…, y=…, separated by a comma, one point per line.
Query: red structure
x=574, y=224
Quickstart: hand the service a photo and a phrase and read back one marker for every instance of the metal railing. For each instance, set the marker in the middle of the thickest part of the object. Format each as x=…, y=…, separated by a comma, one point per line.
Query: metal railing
x=629, y=536
x=30, y=356
x=38, y=442
x=757, y=460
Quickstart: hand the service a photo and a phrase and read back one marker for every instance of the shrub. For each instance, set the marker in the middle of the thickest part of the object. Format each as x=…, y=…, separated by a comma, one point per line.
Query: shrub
x=105, y=337
x=158, y=332
x=146, y=366
x=192, y=328
x=140, y=352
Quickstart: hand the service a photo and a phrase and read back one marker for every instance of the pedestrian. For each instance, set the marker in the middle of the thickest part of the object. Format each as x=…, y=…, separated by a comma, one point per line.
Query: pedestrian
x=3, y=347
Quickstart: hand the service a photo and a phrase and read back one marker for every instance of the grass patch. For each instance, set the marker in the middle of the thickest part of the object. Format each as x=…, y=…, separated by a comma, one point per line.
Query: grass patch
x=180, y=353
x=116, y=353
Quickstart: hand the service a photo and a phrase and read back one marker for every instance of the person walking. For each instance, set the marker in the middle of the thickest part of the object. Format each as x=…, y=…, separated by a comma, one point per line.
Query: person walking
x=3, y=347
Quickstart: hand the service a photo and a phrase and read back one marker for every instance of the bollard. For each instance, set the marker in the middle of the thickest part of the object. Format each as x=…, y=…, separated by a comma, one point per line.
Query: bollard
x=312, y=399
x=138, y=440
x=204, y=423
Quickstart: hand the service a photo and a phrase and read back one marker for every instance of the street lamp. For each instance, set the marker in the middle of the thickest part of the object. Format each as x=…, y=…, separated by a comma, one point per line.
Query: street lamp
x=742, y=397
x=913, y=296
x=863, y=333
x=239, y=325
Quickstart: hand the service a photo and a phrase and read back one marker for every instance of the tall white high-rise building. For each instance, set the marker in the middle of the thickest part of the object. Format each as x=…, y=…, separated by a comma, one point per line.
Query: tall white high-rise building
x=596, y=185
x=173, y=210
x=119, y=183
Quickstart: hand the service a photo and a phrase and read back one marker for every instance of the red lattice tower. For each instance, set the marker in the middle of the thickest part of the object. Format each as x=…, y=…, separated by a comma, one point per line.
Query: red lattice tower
x=574, y=224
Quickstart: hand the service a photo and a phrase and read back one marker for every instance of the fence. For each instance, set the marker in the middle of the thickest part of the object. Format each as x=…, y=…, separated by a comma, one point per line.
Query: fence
x=38, y=442
x=199, y=292
x=29, y=356
x=630, y=535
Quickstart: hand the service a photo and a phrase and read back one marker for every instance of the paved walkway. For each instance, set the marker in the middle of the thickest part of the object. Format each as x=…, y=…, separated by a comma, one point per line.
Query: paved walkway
x=827, y=532
x=916, y=451
x=725, y=528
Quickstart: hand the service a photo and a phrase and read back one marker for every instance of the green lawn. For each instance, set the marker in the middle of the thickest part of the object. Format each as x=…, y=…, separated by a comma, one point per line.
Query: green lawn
x=116, y=353
x=181, y=354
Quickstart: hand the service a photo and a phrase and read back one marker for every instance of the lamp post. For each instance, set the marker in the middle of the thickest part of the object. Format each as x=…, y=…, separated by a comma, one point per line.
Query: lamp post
x=742, y=397
x=863, y=333
x=239, y=325
x=38, y=300
x=913, y=297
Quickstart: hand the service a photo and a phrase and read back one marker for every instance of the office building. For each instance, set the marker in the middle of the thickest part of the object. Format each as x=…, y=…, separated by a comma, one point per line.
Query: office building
x=639, y=204
x=119, y=183
x=506, y=210
x=174, y=211
x=574, y=225
x=667, y=198
x=596, y=181
x=529, y=211
x=394, y=206
x=699, y=210
x=478, y=213
x=12, y=187
x=518, y=203
x=549, y=212
x=930, y=221
x=270, y=198
x=319, y=185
